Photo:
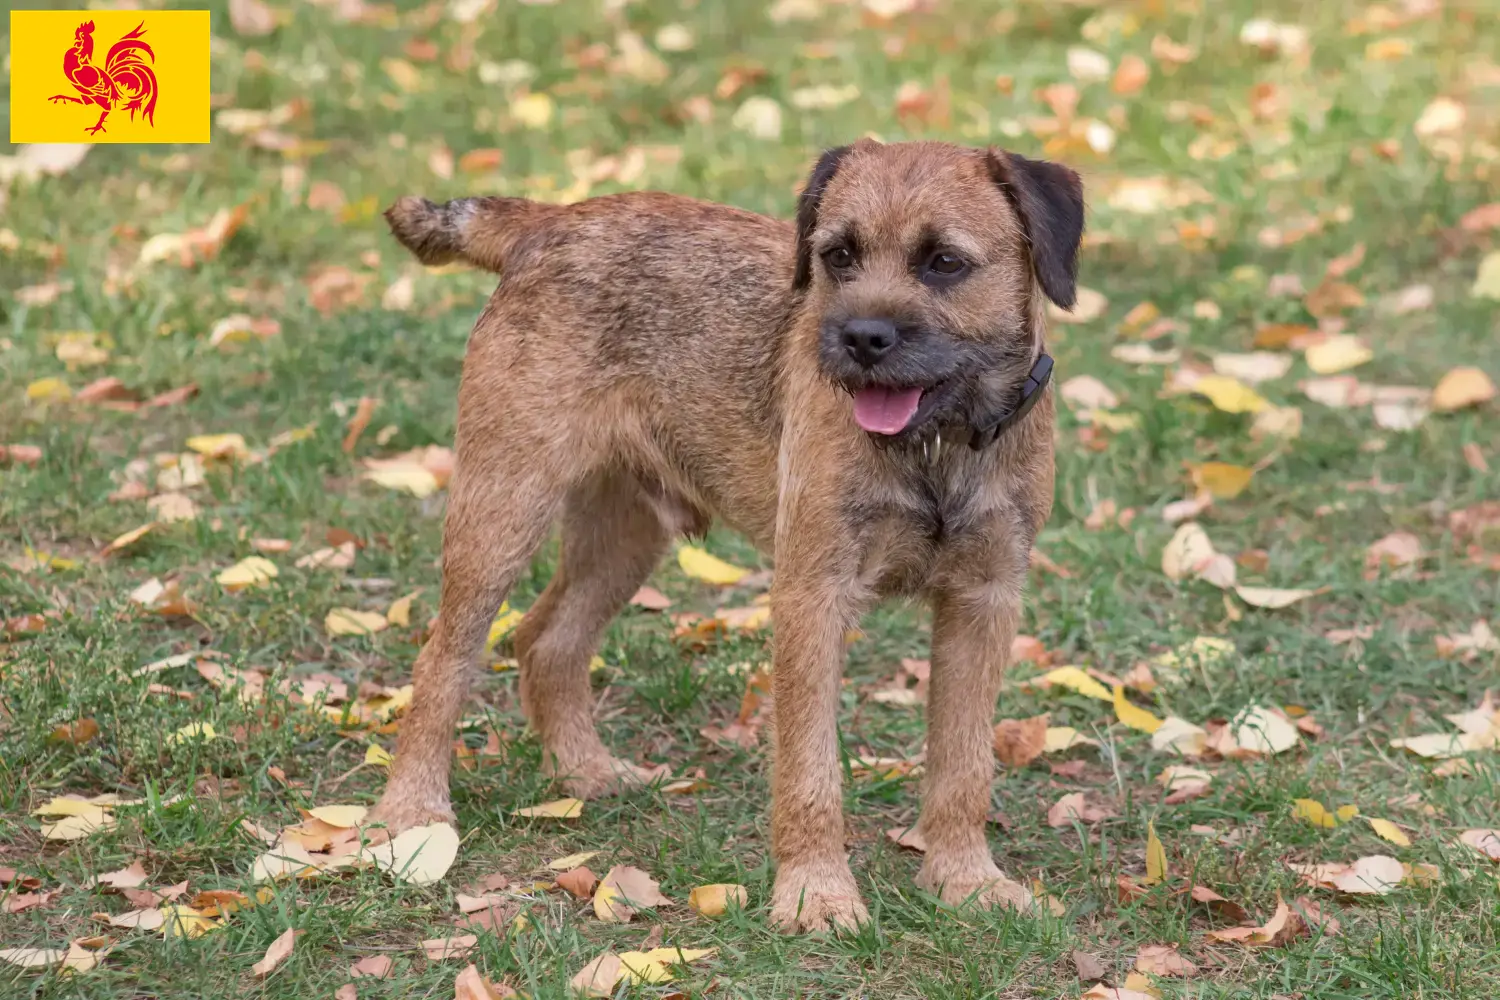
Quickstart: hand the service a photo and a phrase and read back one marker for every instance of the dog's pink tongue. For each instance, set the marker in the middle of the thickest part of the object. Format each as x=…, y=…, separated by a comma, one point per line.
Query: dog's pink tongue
x=885, y=411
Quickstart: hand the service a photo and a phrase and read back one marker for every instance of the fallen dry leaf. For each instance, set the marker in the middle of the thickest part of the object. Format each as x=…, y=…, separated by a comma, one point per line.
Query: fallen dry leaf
x=456, y=946
x=714, y=900
x=579, y=881
x=277, y=953
x=1073, y=808
x=1462, y=387
x=1163, y=960
x=623, y=889
x=599, y=977
x=700, y=565
x=1486, y=842
x=556, y=809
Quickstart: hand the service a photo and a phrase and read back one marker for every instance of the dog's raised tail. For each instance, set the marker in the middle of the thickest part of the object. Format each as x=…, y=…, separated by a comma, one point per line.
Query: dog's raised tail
x=479, y=231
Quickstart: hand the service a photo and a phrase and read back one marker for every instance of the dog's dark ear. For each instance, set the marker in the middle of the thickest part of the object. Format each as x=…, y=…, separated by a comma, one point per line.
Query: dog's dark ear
x=807, y=211
x=1049, y=199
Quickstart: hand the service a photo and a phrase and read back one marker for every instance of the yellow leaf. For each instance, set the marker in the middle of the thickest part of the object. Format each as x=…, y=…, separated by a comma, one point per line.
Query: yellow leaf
x=1389, y=831
x=82, y=349
x=1060, y=738
x=1132, y=716
x=348, y=621
x=556, y=809
x=1273, y=598
x=422, y=855
x=399, y=613
x=199, y=731
x=1075, y=679
x=1314, y=812
x=343, y=817
x=1486, y=282
x=219, y=445
x=506, y=619
x=129, y=538
x=76, y=827
x=1345, y=813
x=186, y=922
x=1230, y=395
x=378, y=755
x=403, y=74
x=411, y=477
x=1223, y=480
x=1438, y=745
x=532, y=110
x=1156, y=856
x=571, y=861
x=679, y=956
x=713, y=900
x=49, y=390
x=1462, y=387
x=1180, y=735
x=252, y=571
x=640, y=968
x=1337, y=354
x=699, y=564
x=70, y=807
x=1188, y=551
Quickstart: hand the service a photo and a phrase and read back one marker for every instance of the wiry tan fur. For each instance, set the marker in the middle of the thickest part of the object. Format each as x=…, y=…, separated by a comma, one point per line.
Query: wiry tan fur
x=646, y=364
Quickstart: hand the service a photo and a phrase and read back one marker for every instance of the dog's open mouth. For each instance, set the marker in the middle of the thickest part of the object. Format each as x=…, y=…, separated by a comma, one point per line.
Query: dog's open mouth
x=883, y=409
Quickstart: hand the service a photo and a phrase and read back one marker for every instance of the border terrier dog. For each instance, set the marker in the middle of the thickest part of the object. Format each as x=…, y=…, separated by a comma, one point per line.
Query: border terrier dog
x=864, y=394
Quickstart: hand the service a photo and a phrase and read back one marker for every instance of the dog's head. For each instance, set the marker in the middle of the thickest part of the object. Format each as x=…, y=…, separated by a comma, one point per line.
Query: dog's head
x=923, y=261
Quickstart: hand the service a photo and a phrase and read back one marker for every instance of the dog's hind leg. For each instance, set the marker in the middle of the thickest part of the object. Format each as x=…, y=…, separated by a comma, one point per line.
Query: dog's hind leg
x=612, y=537
x=499, y=512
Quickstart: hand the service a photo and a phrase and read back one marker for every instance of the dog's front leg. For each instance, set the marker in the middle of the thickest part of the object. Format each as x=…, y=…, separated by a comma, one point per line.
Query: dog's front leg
x=814, y=887
x=975, y=615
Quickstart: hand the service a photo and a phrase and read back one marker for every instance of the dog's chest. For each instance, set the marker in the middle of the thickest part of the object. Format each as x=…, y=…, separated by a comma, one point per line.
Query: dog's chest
x=907, y=530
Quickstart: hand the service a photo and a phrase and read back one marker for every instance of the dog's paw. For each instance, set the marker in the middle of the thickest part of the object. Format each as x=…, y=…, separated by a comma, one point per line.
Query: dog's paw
x=400, y=812
x=815, y=899
x=978, y=882
x=596, y=777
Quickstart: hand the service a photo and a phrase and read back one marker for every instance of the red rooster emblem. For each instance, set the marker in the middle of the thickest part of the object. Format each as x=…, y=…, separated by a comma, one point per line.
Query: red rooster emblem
x=125, y=76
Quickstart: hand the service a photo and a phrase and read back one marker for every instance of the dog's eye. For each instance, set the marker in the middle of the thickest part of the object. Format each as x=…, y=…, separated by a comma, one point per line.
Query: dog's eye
x=946, y=264
x=839, y=258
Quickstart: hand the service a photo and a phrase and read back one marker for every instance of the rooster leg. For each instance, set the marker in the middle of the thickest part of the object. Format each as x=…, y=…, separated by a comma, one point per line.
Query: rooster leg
x=98, y=125
x=70, y=100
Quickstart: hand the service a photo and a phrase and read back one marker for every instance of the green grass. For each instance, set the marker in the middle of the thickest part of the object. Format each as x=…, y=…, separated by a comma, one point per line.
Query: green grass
x=364, y=133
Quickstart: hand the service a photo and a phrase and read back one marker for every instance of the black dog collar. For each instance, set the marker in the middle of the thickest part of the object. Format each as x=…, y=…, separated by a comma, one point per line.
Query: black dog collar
x=984, y=434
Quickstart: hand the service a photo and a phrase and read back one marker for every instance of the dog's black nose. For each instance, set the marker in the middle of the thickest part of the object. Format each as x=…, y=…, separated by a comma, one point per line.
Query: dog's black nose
x=869, y=340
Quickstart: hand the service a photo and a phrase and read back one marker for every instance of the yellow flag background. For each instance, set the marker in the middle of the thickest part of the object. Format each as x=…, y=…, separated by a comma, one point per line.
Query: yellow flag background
x=39, y=44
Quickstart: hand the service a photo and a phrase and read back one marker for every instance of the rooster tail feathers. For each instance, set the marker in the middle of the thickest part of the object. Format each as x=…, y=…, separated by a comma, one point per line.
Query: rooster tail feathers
x=127, y=52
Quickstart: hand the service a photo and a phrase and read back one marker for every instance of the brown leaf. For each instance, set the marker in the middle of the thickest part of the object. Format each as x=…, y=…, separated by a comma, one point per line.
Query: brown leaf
x=1088, y=966
x=909, y=837
x=105, y=390
x=578, y=881
x=357, y=423
x=16, y=902
x=651, y=599
x=1479, y=219
x=1164, y=960
x=129, y=877
x=1073, y=808
x=1317, y=916
x=598, y=978
x=457, y=946
x=376, y=966
x=1332, y=298
x=1018, y=742
x=470, y=985
x=623, y=889
x=78, y=733
x=1228, y=909
x=277, y=953
x=9, y=876
x=346, y=992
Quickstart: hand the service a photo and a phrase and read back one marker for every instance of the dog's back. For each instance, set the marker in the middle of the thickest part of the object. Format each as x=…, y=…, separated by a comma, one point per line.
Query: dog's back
x=630, y=305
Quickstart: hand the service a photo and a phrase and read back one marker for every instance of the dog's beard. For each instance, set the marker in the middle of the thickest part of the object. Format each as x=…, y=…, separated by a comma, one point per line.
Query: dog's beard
x=928, y=383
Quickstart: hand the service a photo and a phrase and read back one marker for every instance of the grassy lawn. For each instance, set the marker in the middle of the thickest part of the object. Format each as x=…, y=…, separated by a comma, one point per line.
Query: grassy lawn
x=1229, y=191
